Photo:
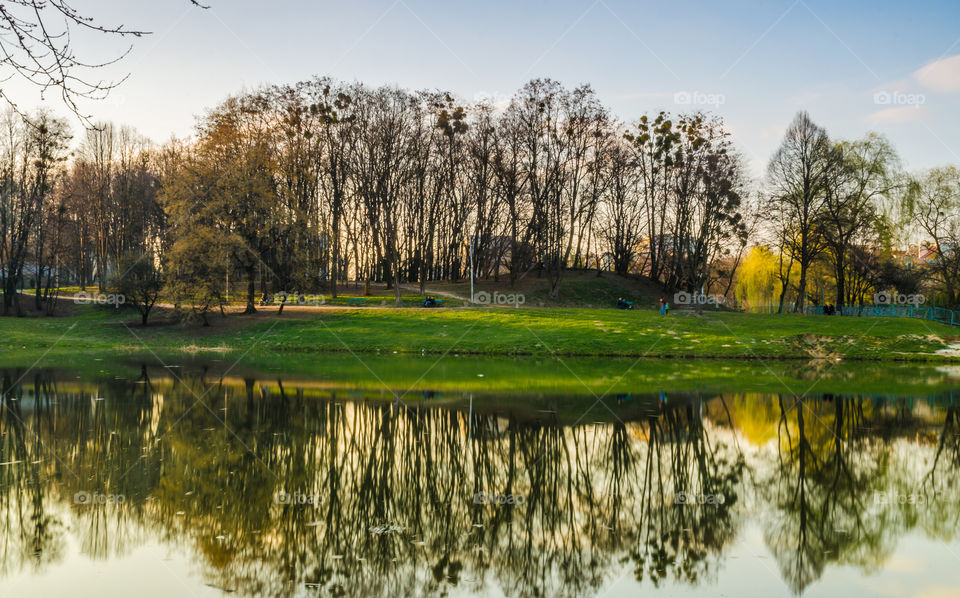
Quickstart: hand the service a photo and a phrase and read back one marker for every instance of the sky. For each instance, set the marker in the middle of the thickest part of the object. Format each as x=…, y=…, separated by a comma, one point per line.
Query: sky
x=856, y=66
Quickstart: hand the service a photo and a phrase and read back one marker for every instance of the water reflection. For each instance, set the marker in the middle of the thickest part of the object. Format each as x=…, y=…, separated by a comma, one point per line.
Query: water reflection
x=274, y=487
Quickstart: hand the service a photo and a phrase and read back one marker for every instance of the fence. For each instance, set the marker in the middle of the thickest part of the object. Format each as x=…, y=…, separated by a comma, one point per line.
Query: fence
x=924, y=312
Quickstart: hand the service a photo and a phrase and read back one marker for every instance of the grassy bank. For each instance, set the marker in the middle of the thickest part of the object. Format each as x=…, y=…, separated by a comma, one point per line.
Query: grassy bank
x=490, y=378
x=491, y=331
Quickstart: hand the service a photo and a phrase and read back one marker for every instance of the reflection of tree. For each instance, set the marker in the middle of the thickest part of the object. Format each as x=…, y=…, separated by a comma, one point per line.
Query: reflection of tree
x=812, y=474
x=392, y=487
x=75, y=441
x=948, y=445
x=681, y=463
x=30, y=532
x=838, y=495
x=941, y=484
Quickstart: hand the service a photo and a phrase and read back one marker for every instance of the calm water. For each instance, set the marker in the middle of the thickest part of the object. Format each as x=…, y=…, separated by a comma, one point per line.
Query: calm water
x=159, y=482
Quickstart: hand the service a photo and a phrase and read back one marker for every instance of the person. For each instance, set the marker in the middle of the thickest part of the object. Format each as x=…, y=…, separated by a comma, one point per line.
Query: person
x=664, y=307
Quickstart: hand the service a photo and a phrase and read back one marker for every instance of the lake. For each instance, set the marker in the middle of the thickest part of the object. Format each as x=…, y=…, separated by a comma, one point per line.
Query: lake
x=386, y=476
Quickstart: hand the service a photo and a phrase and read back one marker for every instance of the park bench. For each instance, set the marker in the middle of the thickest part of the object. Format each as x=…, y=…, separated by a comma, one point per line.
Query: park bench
x=357, y=301
x=432, y=302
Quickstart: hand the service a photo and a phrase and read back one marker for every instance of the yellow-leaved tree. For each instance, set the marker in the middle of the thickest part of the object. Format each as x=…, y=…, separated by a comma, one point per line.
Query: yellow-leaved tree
x=757, y=282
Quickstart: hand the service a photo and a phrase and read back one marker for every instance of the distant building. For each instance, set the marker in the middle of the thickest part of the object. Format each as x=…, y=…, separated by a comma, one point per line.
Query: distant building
x=918, y=255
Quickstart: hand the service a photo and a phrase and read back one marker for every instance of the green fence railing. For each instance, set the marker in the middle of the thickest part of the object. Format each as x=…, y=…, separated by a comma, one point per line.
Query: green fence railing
x=923, y=312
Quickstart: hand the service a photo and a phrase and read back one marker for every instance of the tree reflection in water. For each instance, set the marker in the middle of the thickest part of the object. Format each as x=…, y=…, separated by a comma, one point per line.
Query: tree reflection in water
x=848, y=484
x=276, y=487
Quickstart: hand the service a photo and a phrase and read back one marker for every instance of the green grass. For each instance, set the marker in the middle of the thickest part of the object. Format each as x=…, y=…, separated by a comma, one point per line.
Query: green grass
x=506, y=351
x=491, y=379
x=605, y=332
x=496, y=331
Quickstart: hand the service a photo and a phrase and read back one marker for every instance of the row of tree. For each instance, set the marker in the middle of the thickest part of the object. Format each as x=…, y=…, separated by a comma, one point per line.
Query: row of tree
x=306, y=186
x=320, y=181
x=845, y=213
x=68, y=221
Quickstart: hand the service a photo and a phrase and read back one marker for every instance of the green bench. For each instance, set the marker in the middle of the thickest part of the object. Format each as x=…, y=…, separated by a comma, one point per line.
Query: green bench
x=431, y=301
x=357, y=301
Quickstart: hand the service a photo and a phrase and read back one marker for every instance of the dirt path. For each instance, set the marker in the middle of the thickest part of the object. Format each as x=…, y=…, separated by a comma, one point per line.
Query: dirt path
x=233, y=309
x=416, y=289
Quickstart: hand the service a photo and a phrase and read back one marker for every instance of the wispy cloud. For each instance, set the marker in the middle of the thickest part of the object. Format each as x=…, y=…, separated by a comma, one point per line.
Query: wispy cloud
x=900, y=114
x=941, y=75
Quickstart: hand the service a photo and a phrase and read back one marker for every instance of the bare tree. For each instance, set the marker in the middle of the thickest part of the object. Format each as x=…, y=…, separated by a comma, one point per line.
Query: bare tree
x=937, y=209
x=621, y=217
x=36, y=46
x=798, y=177
x=30, y=154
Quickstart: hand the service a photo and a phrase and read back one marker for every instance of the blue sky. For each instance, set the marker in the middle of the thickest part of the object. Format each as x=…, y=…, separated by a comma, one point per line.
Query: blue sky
x=891, y=67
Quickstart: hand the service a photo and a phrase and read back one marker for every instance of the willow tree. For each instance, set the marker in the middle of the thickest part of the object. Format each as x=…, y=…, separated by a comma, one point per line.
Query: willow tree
x=757, y=278
x=868, y=171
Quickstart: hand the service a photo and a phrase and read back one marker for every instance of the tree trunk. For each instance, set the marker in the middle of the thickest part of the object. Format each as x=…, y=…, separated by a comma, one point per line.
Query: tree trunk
x=841, y=282
x=801, y=290
x=251, y=291
x=783, y=294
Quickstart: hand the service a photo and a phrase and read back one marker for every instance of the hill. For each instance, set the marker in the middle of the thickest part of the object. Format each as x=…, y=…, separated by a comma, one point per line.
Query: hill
x=578, y=288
